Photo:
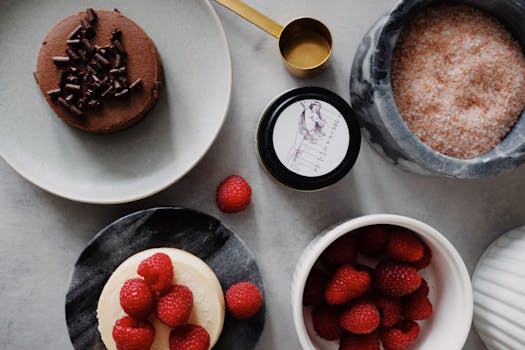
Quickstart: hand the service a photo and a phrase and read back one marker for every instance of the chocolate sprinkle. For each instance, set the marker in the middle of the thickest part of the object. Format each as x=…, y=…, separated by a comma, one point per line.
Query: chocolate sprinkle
x=90, y=73
x=70, y=98
x=91, y=15
x=61, y=61
x=73, y=87
x=136, y=85
x=54, y=94
x=73, y=42
x=82, y=104
x=87, y=45
x=76, y=111
x=118, y=61
x=124, y=93
x=109, y=92
x=73, y=55
x=101, y=59
x=64, y=103
x=116, y=34
x=76, y=32
x=118, y=71
x=116, y=10
x=119, y=47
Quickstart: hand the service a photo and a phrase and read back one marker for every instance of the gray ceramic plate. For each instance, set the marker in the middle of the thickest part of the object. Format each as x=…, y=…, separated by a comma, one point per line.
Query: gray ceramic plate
x=134, y=163
x=186, y=229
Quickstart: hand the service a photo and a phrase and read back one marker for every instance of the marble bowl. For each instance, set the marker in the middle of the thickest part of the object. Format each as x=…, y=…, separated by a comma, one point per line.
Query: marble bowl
x=447, y=277
x=383, y=126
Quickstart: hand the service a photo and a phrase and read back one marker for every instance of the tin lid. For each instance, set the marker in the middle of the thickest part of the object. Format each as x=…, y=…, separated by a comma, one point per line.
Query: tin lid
x=308, y=138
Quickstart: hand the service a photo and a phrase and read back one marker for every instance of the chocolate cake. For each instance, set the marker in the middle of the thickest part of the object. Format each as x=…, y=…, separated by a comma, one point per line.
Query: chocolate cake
x=99, y=71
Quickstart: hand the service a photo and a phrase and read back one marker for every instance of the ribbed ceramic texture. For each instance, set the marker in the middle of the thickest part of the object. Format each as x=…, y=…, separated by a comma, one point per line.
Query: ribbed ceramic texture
x=499, y=293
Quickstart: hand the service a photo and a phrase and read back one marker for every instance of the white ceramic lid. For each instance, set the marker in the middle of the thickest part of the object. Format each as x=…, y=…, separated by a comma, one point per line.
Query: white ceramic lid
x=499, y=293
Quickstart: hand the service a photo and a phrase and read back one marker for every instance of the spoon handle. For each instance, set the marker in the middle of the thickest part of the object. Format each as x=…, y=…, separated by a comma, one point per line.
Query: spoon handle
x=267, y=24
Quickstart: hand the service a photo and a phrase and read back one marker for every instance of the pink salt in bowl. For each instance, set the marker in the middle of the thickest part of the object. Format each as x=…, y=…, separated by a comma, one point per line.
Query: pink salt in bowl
x=380, y=118
x=447, y=278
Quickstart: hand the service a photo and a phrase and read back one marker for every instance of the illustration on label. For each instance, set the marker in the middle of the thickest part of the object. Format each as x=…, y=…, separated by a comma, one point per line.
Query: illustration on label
x=311, y=138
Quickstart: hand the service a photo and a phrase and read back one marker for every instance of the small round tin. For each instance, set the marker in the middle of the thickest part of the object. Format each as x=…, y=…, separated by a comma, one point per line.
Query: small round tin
x=308, y=138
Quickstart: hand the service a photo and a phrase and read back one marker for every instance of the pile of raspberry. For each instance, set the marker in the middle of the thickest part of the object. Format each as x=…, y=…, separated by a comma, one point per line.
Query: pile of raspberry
x=362, y=306
x=172, y=304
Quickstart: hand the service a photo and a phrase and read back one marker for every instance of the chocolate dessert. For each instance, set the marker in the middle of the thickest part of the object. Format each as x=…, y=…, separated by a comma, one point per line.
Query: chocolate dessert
x=99, y=71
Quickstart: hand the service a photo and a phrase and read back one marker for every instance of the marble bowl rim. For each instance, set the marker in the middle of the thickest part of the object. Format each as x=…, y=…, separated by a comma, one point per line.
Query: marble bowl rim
x=492, y=163
x=313, y=251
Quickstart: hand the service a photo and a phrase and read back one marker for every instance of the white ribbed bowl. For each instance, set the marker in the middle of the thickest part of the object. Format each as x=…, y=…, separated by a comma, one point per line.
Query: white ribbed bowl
x=447, y=277
x=499, y=293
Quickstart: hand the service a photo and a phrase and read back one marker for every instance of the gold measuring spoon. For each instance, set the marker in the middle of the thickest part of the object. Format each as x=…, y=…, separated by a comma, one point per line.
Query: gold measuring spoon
x=305, y=43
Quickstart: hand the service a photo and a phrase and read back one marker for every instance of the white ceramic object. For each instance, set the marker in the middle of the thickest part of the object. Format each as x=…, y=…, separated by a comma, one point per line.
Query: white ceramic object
x=499, y=293
x=447, y=277
x=136, y=162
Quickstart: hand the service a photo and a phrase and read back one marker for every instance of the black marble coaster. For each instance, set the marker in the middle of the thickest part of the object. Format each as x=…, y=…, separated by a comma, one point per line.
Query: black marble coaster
x=195, y=232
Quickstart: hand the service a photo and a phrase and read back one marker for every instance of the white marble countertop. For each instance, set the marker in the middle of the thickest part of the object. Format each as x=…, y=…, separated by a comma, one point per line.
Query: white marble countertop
x=42, y=235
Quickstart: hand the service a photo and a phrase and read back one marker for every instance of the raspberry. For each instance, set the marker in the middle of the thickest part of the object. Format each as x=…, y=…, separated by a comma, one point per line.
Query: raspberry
x=346, y=284
x=401, y=336
x=417, y=306
x=233, y=194
x=174, y=307
x=131, y=334
x=244, y=300
x=360, y=318
x=351, y=341
x=137, y=298
x=423, y=288
x=341, y=251
x=405, y=245
x=425, y=259
x=314, y=287
x=373, y=240
x=389, y=308
x=396, y=279
x=189, y=337
x=325, y=320
x=157, y=271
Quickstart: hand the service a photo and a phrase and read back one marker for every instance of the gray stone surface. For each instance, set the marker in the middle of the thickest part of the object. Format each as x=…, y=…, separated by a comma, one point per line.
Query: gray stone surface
x=41, y=235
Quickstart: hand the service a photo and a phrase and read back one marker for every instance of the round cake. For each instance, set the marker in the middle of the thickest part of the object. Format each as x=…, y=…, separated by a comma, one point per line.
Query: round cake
x=99, y=71
x=208, y=299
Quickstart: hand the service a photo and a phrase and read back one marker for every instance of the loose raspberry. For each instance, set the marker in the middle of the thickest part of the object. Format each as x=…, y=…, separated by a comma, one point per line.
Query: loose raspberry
x=233, y=194
x=189, y=337
x=417, y=306
x=346, y=284
x=314, y=287
x=244, y=300
x=360, y=318
x=157, y=271
x=396, y=279
x=137, y=298
x=405, y=245
x=425, y=260
x=373, y=240
x=325, y=320
x=174, y=307
x=341, y=251
x=131, y=334
x=351, y=341
x=401, y=336
x=389, y=308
